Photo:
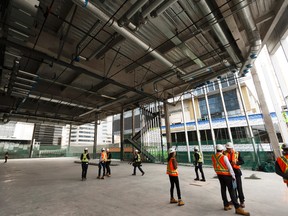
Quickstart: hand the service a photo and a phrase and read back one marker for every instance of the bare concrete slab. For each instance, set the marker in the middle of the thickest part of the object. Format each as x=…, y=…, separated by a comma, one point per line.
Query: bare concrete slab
x=54, y=187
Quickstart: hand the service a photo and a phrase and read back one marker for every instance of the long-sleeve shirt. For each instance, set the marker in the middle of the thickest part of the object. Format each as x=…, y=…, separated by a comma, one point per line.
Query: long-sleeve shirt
x=230, y=168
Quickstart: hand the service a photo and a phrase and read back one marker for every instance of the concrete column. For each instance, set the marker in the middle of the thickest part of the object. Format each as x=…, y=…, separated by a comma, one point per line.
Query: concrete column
x=185, y=130
x=69, y=139
x=122, y=135
x=266, y=115
x=167, y=126
x=95, y=136
x=225, y=111
x=196, y=125
x=209, y=116
x=161, y=135
x=133, y=122
x=247, y=118
x=32, y=142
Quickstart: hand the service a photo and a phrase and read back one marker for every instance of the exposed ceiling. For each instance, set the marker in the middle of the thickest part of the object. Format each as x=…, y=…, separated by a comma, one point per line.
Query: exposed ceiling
x=67, y=60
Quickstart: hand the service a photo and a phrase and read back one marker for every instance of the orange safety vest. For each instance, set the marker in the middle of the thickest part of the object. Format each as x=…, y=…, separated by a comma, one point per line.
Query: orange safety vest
x=103, y=156
x=233, y=157
x=219, y=164
x=283, y=163
x=170, y=168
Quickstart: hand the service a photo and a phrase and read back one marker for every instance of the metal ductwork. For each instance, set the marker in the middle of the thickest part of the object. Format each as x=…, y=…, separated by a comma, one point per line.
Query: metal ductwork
x=208, y=13
x=94, y=10
x=252, y=34
x=162, y=8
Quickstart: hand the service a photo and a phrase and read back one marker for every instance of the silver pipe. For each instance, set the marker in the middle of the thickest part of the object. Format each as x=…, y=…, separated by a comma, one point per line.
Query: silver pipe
x=135, y=8
x=27, y=73
x=185, y=130
x=151, y=7
x=206, y=11
x=253, y=34
x=26, y=80
x=94, y=10
x=22, y=85
x=162, y=8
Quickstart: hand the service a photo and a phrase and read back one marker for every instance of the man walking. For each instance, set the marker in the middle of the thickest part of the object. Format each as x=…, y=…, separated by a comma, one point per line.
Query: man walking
x=198, y=164
x=226, y=177
x=137, y=162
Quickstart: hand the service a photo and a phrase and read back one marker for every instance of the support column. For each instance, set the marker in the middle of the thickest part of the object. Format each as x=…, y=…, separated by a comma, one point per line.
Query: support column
x=133, y=122
x=95, y=136
x=225, y=111
x=32, y=142
x=247, y=118
x=196, y=125
x=122, y=135
x=266, y=114
x=185, y=130
x=209, y=116
x=167, y=126
x=69, y=141
x=161, y=135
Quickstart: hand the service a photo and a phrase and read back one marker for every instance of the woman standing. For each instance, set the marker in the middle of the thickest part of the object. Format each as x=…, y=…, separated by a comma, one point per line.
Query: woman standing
x=173, y=177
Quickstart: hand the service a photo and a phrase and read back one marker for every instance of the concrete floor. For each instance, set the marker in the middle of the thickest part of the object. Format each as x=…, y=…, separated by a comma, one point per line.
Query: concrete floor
x=53, y=187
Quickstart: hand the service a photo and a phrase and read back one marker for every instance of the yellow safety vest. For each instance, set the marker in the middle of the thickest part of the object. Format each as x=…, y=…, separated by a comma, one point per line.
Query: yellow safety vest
x=84, y=158
x=200, y=157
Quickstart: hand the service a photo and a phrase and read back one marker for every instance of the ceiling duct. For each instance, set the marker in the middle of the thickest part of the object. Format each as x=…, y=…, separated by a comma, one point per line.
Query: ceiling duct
x=253, y=35
x=208, y=13
x=94, y=10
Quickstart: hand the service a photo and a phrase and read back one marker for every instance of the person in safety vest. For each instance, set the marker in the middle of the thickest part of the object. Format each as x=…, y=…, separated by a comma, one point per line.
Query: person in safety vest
x=136, y=162
x=235, y=161
x=85, y=157
x=226, y=178
x=102, y=163
x=173, y=177
x=198, y=164
x=108, y=162
x=281, y=164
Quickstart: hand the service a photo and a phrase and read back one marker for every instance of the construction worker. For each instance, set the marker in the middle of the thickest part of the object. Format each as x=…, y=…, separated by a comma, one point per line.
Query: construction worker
x=102, y=163
x=85, y=157
x=173, y=177
x=108, y=162
x=281, y=164
x=198, y=164
x=226, y=178
x=137, y=162
x=236, y=161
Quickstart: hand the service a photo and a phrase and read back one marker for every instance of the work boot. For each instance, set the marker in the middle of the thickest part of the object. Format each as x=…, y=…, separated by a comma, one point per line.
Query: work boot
x=143, y=173
x=98, y=177
x=180, y=203
x=172, y=200
x=226, y=208
x=241, y=211
x=203, y=180
x=196, y=179
x=133, y=174
x=102, y=177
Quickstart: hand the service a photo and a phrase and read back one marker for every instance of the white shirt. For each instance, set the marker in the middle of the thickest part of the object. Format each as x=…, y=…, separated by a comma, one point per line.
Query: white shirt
x=230, y=168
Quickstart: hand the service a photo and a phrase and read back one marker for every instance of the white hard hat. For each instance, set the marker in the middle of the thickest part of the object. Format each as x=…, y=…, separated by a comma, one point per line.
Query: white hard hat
x=229, y=145
x=219, y=147
x=86, y=149
x=136, y=150
x=196, y=148
x=171, y=150
x=107, y=149
x=103, y=149
x=285, y=146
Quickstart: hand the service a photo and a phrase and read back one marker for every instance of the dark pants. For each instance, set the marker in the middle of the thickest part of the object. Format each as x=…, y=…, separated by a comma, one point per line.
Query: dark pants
x=199, y=166
x=108, y=167
x=84, y=170
x=226, y=182
x=240, y=189
x=174, y=180
x=100, y=165
x=139, y=167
